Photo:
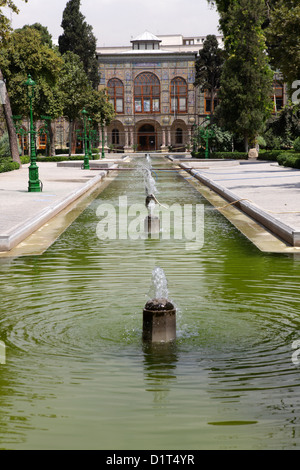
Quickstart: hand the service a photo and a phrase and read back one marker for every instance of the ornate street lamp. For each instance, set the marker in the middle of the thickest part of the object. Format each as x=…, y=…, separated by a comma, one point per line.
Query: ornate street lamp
x=86, y=164
x=102, y=138
x=90, y=137
x=34, y=184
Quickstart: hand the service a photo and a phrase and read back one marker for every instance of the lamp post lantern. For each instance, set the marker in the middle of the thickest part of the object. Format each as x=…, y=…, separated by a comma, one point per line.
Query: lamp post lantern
x=34, y=184
x=86, y=164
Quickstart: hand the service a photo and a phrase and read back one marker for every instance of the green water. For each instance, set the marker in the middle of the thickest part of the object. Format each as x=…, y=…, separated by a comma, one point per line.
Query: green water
x=77, y=375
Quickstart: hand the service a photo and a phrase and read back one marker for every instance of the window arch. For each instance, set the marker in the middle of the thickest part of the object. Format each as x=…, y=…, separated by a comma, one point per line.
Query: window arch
x=116, y=94
x=147, y=93
x=179, y=95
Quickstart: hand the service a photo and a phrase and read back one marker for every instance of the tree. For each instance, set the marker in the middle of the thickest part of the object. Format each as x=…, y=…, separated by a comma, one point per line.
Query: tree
x=5, y=29
x=46, y=37
x=78, y=38
x=283, y=39
x=209, y=65
x=246, y=82
x=25, y=53
x=76, y=90
x=281, y=27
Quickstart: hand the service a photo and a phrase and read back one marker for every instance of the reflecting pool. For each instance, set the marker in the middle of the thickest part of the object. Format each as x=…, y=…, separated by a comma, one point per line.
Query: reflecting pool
x=77, y=374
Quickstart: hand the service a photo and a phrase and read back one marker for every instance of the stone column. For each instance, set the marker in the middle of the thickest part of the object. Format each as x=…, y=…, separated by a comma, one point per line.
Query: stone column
x=164, y=148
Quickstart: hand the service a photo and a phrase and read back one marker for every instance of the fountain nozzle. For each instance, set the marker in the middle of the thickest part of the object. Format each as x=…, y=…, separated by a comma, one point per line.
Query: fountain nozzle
x=159, y=321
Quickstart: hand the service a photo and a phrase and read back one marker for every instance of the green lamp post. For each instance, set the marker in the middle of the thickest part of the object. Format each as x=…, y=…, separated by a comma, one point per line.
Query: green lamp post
x=102, y=138
x=34, y=184
x=86, y=164
x=90, y=137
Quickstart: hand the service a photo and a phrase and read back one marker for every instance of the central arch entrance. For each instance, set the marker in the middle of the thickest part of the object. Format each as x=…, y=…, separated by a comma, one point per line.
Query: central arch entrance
x=146, y=138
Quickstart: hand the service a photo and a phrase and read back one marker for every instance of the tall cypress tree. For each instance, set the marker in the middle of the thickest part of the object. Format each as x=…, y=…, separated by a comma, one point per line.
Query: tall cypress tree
x=78, y=38
x=208, y=66
x=246, y=82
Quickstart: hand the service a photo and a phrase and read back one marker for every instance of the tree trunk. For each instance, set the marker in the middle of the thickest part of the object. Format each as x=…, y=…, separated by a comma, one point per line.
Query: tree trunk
x=52, y=139
x=12, y=135
x=246, y=140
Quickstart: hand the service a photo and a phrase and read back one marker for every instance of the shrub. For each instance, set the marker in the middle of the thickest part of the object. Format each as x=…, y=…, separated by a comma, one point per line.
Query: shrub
x=297, y=145
x=4, y=148
x=291, y=160
x=8, y=166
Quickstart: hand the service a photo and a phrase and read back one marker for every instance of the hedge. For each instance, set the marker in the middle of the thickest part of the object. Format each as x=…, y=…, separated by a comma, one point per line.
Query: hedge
x=8, y=166
x=290, y=160
x=56, y=158
x=222, y=155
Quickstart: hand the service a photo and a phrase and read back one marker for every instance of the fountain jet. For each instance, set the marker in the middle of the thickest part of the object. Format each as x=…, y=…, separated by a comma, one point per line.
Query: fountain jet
x=152, y=223
x=159, y=315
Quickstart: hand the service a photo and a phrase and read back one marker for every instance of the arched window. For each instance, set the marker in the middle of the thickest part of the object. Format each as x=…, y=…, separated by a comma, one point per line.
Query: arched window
x=179, y=91
x=42, y=140
x=147, y=93
x=115, y=137
x=116, y=94
x=179, y=136
x=23, y=140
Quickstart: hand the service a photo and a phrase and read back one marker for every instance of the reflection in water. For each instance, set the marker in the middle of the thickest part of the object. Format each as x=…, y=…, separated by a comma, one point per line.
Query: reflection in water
x=160, y=369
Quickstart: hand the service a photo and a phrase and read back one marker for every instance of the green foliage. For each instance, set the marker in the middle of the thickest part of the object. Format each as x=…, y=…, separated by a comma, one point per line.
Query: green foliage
x=46, y=37
x=8, y=166
x=209, y=65
x=297, y=145
x=284, y=128
x=270, y=155
x=289, y=160
x=99, y=108
x=26, y=54
x=222, y=155
x=283, y=39
x=5, y=24
x=75, y=86
x=246, y=82
x=78, y=38
x=4, y=148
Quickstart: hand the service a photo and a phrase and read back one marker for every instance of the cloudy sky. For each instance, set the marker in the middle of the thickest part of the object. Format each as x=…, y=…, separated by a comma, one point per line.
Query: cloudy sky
x=115, y=22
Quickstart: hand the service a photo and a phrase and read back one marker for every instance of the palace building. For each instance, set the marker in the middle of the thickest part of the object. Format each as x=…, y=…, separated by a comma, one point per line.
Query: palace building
x=151, y=86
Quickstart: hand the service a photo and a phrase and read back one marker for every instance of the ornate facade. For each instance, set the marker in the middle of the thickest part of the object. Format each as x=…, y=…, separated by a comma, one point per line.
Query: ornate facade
x=151, y=87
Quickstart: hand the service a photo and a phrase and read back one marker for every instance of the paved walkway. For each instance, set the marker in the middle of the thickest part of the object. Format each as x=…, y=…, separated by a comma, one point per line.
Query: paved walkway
x=22, y=213
x=267, y=192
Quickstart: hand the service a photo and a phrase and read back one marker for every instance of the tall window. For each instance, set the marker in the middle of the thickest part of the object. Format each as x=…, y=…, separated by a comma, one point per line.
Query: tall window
x=115, y=137
x=147, y=93
x=116, y=94
x=42, y=141
x=210, y=105
x=179, y=95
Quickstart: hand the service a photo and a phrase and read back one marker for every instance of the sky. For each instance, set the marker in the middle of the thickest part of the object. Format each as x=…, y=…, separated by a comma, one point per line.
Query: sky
x=116, y=22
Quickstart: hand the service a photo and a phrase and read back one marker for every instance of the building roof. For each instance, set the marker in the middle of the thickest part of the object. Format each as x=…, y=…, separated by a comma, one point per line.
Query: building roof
x=146, y=36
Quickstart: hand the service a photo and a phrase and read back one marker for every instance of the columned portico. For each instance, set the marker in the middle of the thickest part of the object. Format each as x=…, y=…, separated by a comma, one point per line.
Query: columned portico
x=152, y=91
